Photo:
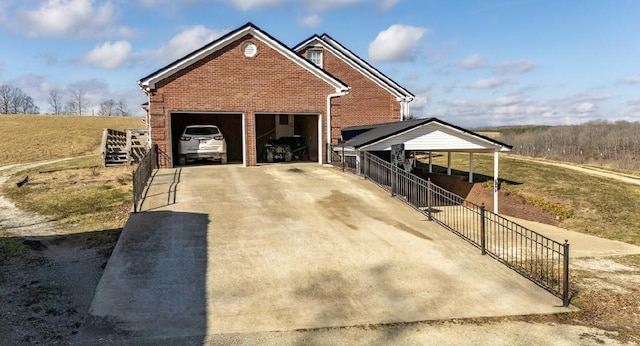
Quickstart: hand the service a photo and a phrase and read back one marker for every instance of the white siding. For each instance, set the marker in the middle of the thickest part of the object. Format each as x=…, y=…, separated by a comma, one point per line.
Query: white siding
x=435, y=137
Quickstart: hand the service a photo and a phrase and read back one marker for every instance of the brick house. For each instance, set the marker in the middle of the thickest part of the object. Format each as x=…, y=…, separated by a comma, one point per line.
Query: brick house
x=255, y=88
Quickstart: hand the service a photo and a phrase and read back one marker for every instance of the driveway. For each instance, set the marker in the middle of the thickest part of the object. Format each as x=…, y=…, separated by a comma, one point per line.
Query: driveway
x=228, y=249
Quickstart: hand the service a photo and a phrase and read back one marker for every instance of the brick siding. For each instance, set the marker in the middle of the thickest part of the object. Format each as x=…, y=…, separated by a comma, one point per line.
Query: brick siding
x=227, y=81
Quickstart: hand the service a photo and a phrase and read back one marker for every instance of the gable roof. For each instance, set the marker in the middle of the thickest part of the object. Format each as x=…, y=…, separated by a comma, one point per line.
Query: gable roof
x=357, y=63
x=373, y=134
x=148, y=82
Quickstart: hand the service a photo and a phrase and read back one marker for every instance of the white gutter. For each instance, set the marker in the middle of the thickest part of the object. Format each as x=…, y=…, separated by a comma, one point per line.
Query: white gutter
x=329, y=97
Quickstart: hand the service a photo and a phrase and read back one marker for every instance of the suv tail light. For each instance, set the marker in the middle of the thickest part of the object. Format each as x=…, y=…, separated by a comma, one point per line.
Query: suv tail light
x=218, y=137
x=185, y=138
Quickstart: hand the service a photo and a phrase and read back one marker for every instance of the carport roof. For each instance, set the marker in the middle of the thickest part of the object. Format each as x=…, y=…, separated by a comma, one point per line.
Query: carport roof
x=148, y=82
x=421, y=134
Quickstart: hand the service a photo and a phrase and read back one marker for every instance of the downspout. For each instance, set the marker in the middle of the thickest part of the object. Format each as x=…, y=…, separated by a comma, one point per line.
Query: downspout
x=148, y=115
x=329, y=97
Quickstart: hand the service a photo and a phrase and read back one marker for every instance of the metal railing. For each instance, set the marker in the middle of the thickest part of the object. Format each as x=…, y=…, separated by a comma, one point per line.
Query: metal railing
x=534, y=256
x=141, y=175
x=338, y=159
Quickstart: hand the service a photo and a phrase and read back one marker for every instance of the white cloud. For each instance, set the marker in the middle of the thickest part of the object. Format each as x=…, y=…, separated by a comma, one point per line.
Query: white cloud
x=584, y=107
x=418, y=104
x=630, y=80
x=109, y=55
x=245, y=5
x=487, y=83
x=76, y=18
x=327, y=5
x=472, y=62
x=397, y=43
x=384, y=5
x=187, y=41
x=518, y=67
x=310, y=21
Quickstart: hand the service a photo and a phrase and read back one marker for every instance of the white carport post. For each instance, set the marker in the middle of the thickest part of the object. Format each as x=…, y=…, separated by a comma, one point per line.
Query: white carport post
x=471, y=167
x=430, y=162
x=495, y=181
x=358, y=162
x=448, y=163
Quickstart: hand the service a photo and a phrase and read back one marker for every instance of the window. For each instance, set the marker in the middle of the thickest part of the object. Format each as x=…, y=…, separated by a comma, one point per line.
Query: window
x=315, y=56
x=284, y=119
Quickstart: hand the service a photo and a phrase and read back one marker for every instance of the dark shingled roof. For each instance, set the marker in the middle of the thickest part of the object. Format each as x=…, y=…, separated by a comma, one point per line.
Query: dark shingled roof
x=368, y=134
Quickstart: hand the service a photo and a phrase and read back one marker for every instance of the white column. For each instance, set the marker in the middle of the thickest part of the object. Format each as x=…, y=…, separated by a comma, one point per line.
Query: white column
x=495, y=182
x=430, y=162
x=471, y=167
x=358, y=162
x=448, y=163
x=320, y=144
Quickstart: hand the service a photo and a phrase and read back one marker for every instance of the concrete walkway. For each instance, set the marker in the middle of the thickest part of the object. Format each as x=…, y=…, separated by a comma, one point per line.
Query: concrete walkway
x=581, y=245
x=227, y=249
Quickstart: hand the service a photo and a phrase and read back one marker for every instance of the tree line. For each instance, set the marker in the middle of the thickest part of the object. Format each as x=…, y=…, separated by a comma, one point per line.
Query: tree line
x=15, y=101
x=614, y=144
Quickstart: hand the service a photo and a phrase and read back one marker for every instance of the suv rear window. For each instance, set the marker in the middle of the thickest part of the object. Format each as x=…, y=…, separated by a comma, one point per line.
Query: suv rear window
x=201, y=131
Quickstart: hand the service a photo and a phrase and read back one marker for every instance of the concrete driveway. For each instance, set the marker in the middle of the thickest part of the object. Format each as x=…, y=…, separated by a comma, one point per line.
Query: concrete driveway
x=228, y=249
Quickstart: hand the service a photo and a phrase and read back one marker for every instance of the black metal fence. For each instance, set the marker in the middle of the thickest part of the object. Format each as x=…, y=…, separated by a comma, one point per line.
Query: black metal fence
x=141, y=175
x=536, y=257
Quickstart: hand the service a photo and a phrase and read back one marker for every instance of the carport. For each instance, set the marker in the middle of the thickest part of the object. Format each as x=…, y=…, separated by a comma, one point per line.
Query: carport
x=230, y=124
x=421, y=135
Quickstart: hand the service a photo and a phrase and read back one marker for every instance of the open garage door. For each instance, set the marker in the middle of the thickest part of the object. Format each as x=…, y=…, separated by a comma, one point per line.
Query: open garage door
x=276, y=134
x=229, y=124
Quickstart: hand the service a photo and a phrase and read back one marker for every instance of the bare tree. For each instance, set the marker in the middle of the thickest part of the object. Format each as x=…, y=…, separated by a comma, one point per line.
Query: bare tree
x=78, y=102
x=599, y=142
x=55, y=102
x=28, y=106
x=14, y=101
x=108, y=108
x=7, y=94
x=122, y=109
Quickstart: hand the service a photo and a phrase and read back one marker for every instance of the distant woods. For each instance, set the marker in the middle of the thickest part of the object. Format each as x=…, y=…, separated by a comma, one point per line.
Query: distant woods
x=613, y=144
x=14, y=100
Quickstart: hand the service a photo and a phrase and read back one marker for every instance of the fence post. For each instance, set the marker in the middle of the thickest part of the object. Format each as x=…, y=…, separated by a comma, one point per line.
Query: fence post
x=155, y=149
x=393, y=179
x=429, y=193
x=483, y=231
x=565, y=284
x=135, y=195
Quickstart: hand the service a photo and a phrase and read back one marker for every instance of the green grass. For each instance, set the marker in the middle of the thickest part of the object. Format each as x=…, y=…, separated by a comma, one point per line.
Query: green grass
x=602, y=206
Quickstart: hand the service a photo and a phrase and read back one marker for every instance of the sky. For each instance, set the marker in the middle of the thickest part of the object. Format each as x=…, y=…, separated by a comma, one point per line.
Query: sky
x=472, y=63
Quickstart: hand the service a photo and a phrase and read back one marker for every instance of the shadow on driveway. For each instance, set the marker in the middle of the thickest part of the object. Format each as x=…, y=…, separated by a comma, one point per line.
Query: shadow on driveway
x=154, y=284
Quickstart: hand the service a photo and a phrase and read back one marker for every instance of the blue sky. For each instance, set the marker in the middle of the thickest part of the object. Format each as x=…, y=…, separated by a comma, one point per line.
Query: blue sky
x=472, y=63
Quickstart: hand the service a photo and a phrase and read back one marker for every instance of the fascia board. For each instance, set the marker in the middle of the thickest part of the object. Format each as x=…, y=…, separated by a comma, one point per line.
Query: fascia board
x=300, y=61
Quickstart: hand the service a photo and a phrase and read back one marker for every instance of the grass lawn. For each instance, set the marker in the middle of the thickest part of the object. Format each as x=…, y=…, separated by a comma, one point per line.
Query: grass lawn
x=596, y=205
x=29, y=138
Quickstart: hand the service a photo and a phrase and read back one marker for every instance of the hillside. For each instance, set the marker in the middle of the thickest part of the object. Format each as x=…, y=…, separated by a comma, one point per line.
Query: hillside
x=28, y=138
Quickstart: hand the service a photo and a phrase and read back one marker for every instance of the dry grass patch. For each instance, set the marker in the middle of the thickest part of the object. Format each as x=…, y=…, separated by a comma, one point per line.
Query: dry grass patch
x=79, y=194
x=29, y=138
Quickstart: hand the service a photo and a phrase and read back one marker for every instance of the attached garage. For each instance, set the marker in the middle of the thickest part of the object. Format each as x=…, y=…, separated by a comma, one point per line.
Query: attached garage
x=302, y=129
x=258, y=90
x=230, y=124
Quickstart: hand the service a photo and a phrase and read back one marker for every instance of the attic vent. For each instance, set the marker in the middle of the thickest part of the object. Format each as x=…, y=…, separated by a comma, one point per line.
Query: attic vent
x=249, y=49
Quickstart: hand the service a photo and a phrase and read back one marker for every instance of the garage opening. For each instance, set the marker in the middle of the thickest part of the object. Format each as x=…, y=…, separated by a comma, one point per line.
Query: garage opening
x=230, y=126
x=286, y=137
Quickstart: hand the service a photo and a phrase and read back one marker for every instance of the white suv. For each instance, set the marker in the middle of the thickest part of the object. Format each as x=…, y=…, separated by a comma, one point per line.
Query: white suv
x=202, y=142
